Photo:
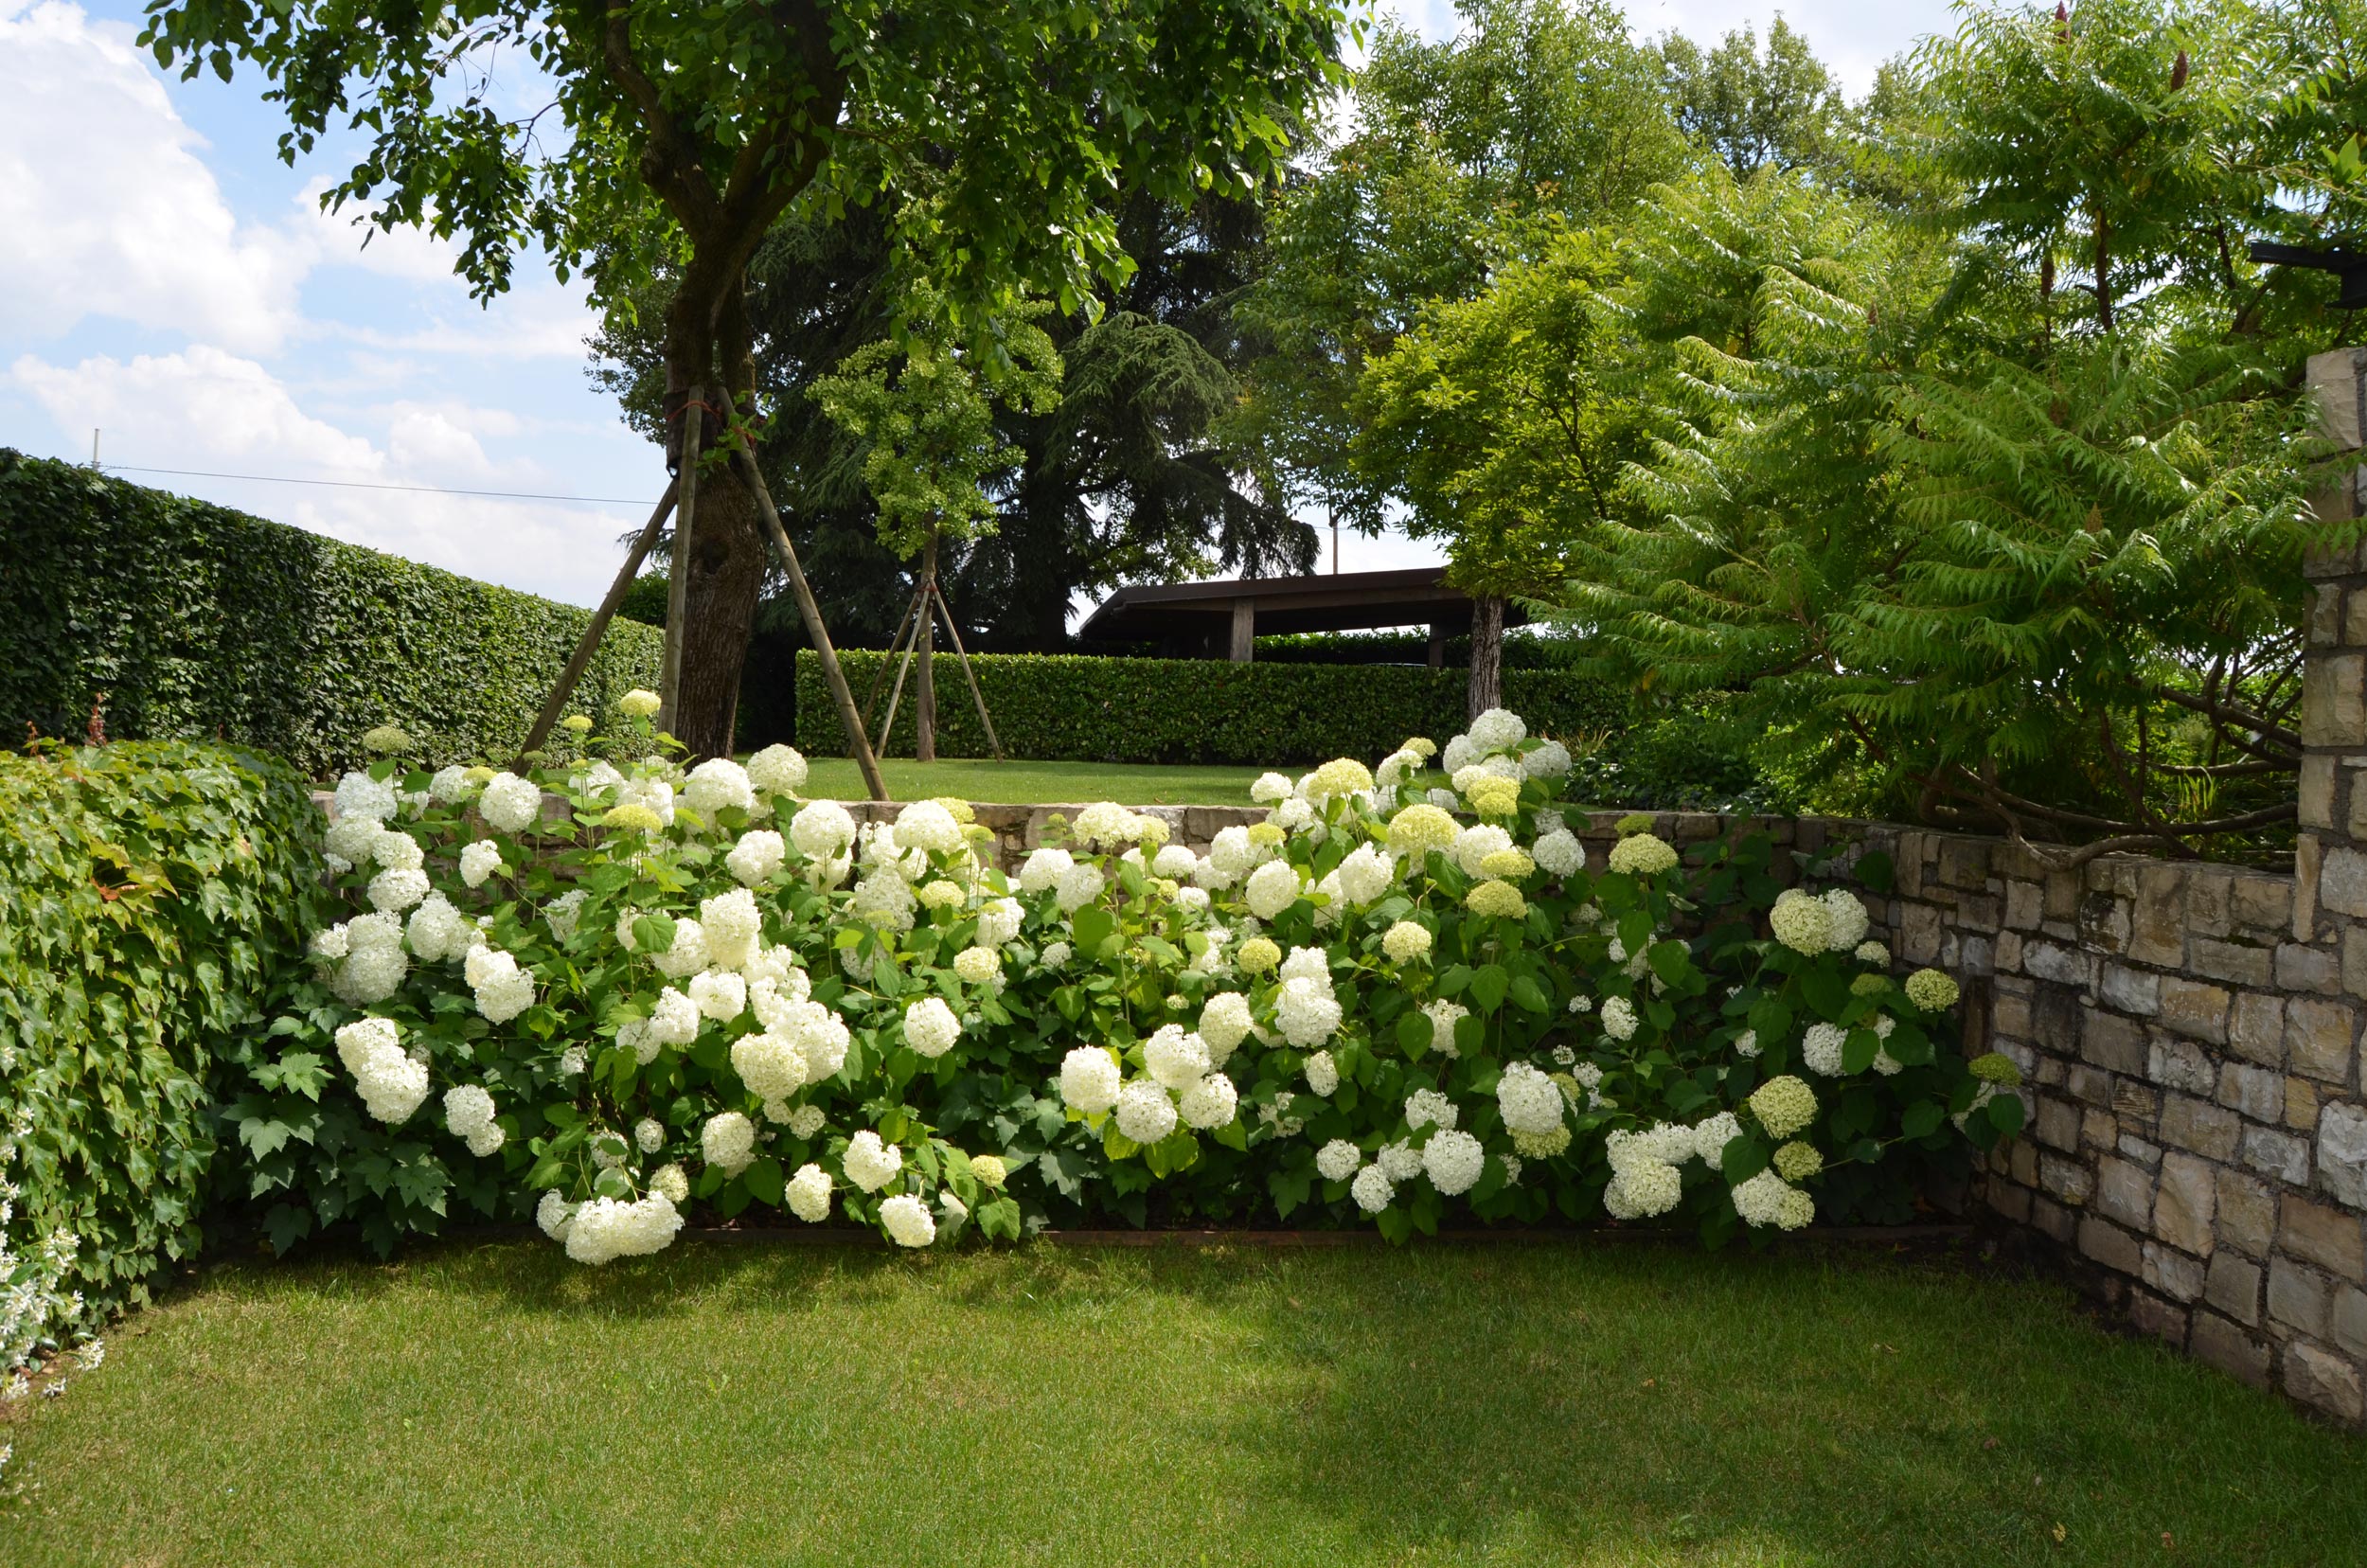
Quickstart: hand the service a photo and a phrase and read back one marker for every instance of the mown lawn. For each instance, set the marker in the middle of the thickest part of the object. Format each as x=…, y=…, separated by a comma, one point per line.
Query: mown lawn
x=837, y=778
x=1553, y=1404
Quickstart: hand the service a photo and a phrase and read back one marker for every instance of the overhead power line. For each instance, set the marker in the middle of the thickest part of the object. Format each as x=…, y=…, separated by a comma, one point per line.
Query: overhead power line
x=358, y=483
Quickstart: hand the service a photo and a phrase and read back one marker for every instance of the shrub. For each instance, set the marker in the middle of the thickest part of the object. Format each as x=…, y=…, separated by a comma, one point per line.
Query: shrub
x=197, y=621
x=149, y=892
x=1078, y=707
x=670, y=993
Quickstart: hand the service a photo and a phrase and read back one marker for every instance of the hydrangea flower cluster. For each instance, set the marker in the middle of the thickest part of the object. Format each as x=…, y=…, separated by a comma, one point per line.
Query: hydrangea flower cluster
x=1405, y=989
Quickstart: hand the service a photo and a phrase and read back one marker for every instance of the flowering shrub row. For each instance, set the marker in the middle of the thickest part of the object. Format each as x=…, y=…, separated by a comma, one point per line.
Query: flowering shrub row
x=1087, y=708
x=197, y=620
x=1406, y=996
x=148, y=893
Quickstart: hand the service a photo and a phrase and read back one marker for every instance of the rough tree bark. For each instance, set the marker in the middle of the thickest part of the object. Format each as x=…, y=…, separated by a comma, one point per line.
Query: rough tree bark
x=1488, y=654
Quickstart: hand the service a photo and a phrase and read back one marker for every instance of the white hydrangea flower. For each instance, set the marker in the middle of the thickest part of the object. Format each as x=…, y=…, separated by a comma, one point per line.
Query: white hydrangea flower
x=1848, y=919
x=503, y=989
x=1401, y=1161
x=1747, y=1043
x=718, y=994
x=1767, y=1198
x=1454, y=1160
x=924, y=825
x=1497, y=730
x=930, y=1026
x=1089, y=1080
x=1528, y=1100
x=908, y=1222
x=564, y=913
x=1224, y=1020
x=777, y=770
x=510, y=804
x=1043, y=868
x=999, y=921
x=351, y=839
x=1444, y=1015
x=1801, y=921
x=604, y=1228
x=1619, y=1020
x=1077, y=886
x=1366, y=874
x=1210, y=1103
x=598, y=778
x=1643, y=1189
x=1176, y=1058
x=822, y=830
x=671, y=1182
x=437, y=930
x=1429, y=1108
x=1054, y=954
x=1873, y=952
x=1106, y=825
x=978, y=966
x=757, y=857
x=885, y=900
x=806, y=1121
x=1322, y=1074
x=396, y=850
x=810, y=1193
x=1372, y=1189
x=770, y=1064
x=728, y=1142
x=1821, y=1048
x=1559, y=852
x=396, y=891
x=1145, y=1111
x=871, y=1163
x=1473, y=845
x=360, y=795
x=687, y=955
x=1307, y=1011
x=1712, y=1135
x=1175, y=863
x=1271, y=788
x=391, y=1084
x=1337, y=1160
x=1547, y=760
x=673, y=1019
x=1233, y=853
x=553, y=1214
x=1641, y=855
x=1271, y=888
x=716, y=785
x=732, y=925
x=468, y=1113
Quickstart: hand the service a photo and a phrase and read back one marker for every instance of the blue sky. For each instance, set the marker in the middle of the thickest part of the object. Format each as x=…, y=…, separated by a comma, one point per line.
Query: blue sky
x=169, y=282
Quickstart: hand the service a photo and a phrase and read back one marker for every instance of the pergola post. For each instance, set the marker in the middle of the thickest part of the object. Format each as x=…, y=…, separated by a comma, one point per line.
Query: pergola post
x=1244, y=630
x=1437, y=645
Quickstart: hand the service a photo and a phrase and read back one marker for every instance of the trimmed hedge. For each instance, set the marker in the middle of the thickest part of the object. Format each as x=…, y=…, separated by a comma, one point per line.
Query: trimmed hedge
x=151, y=893
x=197, y=621
x=1070, y=707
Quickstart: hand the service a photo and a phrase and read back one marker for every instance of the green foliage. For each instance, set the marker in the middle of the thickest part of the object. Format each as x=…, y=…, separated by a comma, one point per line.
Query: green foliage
x=1752, y=110
x=921, y=414
x=1057, y=707
x=151, y=893
x=194, y=621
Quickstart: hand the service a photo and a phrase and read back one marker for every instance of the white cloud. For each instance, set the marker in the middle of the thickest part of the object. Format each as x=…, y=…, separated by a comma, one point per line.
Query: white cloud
x=105, y=207
x=208, y=410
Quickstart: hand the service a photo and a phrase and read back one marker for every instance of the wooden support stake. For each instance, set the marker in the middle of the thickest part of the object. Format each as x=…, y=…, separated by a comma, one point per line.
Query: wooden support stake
x=601, y=618
x=833, y=674
x=887, y=725
x=925, y=694
x=975, y=695
x=871, y=703
x=678, y=583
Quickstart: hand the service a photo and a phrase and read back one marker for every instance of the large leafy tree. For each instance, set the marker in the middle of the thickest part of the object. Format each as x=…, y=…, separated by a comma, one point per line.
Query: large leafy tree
x=1125, y=478
x=1776, y=107
x=988, y=138
x=2000, y=516
x=1460, y=158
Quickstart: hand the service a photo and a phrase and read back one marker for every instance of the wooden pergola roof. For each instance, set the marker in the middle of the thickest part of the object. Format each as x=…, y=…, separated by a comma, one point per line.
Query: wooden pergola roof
x=1213, y=616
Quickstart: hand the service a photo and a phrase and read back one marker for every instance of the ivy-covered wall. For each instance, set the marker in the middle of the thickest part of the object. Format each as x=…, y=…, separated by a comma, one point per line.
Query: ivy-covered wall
x=1074, y=707
x=197, y=621
x=149, y=894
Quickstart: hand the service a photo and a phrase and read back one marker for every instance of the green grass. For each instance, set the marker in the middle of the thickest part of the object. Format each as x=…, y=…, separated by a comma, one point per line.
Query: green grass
x=836, y=778
x=1555, y=1404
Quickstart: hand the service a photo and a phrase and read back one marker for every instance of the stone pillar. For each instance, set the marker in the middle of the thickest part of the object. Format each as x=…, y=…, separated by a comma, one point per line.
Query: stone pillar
x=2330, y=861
x=1244, y=630
x=1437, y=646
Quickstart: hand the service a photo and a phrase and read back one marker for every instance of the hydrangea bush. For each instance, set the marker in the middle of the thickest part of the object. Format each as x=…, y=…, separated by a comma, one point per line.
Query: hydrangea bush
x=1407, y=996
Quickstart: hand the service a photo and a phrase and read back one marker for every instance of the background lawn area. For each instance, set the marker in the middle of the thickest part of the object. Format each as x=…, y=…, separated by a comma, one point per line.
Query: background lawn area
x=836, y=778
x=1598, y=1404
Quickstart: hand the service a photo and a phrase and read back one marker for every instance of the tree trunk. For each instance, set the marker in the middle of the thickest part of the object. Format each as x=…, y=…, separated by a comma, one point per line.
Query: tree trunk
x=728, y=556
x=1488, y=654
x=925, y=690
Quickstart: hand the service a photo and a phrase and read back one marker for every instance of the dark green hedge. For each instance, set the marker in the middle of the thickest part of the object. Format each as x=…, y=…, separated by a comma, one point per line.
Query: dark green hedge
x=150, y=891
x=1055, y=708
x=197, y=621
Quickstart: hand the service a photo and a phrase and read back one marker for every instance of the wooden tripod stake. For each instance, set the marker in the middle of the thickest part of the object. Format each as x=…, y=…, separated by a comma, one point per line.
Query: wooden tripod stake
x=581, y=657
x=921, y=625
x=678, y=582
